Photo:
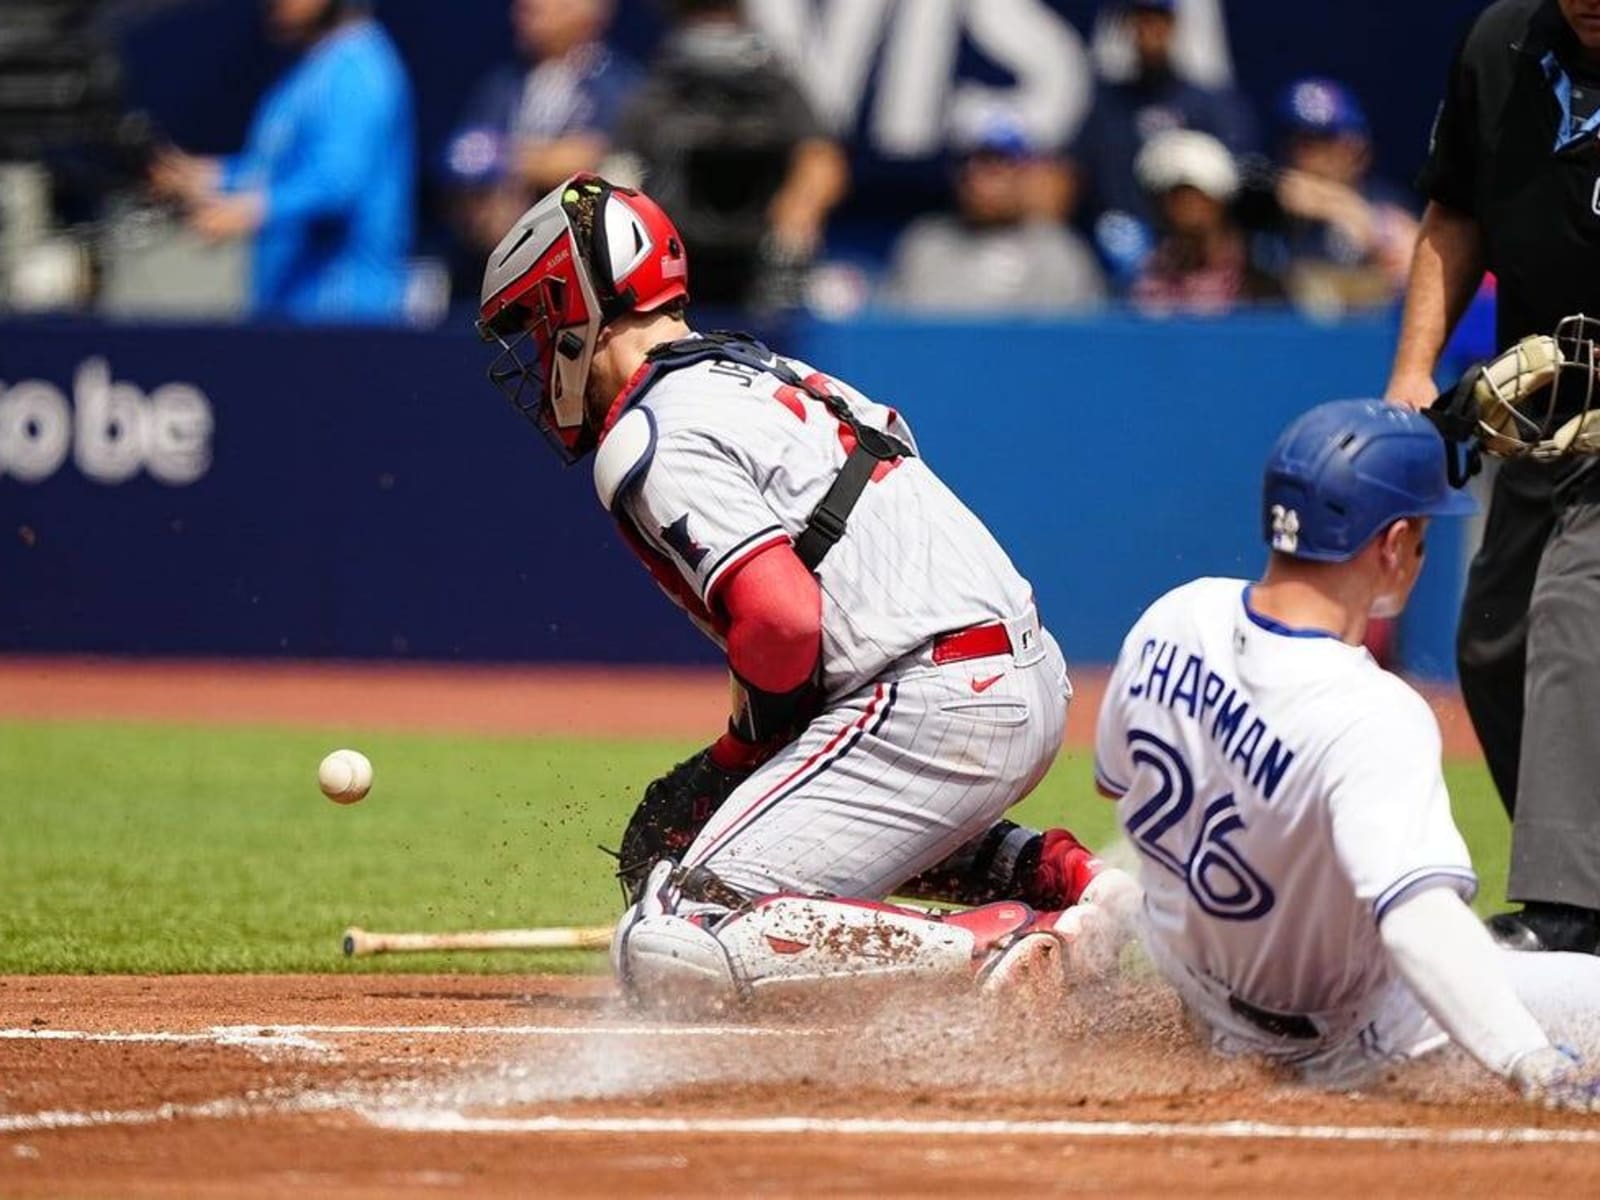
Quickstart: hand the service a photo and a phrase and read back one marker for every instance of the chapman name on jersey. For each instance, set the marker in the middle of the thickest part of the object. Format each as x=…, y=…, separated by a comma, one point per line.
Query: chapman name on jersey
x=1214, y=703
x=718, y=461
x=1284, y=792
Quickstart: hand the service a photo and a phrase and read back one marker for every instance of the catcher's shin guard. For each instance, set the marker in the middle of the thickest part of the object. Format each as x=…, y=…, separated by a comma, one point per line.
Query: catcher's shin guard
x=672, y=961
x=667, y=959
x=668, y=951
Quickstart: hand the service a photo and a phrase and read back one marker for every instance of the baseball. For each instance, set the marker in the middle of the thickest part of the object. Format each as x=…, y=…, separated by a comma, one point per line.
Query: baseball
x=345, y=776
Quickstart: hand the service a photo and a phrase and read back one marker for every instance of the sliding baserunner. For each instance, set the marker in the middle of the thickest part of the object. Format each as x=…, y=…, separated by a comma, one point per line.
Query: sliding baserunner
x=1305, y=885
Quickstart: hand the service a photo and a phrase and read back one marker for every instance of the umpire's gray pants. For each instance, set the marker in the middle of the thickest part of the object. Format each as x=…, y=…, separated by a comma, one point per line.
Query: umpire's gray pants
x=1529, y=653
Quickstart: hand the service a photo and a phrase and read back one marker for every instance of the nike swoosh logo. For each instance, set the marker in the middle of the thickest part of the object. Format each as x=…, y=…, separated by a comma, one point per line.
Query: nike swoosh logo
x=983, y=685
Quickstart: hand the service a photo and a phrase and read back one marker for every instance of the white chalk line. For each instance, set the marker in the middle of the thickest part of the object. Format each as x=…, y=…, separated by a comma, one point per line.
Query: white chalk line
x=416, y=1120
x=303, y=1036
x=224, y=1109
x=447, y=1121
x=427, y=1121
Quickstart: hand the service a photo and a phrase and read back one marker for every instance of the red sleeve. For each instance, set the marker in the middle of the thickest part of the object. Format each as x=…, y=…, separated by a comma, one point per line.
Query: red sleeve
x=774, y=613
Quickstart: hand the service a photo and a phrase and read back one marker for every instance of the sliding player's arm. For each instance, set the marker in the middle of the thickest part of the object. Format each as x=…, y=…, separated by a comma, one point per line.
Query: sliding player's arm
x=1396, y=841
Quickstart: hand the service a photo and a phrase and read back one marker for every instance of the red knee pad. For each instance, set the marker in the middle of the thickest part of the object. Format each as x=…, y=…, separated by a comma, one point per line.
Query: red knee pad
x=1066, y=867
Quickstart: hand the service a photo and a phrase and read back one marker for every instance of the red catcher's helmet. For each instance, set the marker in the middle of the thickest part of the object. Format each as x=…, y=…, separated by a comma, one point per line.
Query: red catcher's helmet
x=586, y=254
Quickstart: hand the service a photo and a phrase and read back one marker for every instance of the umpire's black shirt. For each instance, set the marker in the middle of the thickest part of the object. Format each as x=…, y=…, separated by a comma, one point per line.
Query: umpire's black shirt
x=1517, y=145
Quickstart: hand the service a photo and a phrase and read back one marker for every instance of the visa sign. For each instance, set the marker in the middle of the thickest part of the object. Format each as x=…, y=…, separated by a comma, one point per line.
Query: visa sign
x=111, y=430
x=912, y=50
x=906, y=74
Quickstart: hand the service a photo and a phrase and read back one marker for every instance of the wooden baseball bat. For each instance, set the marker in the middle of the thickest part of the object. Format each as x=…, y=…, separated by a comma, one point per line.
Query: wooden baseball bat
x=581, y=937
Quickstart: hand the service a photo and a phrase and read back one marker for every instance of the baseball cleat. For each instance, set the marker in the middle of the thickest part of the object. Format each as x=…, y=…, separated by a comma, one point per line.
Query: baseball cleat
x=1559, y=927
x=1031, y=974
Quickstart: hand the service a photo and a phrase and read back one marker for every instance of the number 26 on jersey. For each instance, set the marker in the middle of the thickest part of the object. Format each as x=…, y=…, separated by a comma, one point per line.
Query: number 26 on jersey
x=1194, y=844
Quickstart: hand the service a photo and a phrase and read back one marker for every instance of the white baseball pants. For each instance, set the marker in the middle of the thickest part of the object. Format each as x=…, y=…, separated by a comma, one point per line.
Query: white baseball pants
x=895, y=777
x=1562, y=991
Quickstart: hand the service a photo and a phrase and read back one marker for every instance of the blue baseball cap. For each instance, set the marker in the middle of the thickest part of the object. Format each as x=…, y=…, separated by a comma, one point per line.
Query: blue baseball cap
x=1165, y=6
x=1343, y=472
x=1321, y=108
x=1001, y=134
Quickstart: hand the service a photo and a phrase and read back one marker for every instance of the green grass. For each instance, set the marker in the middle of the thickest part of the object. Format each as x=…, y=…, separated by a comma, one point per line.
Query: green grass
x=149, y=848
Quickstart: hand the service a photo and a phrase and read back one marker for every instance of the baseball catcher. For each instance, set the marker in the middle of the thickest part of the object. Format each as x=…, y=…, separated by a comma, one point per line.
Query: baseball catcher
x=894, y=692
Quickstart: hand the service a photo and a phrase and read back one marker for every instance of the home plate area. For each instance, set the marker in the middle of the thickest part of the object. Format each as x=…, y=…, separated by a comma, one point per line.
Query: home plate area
x=366, y=1085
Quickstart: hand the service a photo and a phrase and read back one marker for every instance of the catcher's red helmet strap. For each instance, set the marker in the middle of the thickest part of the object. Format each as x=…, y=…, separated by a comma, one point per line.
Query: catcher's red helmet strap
x=635, y=252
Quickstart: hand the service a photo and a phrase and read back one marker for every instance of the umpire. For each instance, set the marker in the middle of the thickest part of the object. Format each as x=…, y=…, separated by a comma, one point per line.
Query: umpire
x=1513, y=183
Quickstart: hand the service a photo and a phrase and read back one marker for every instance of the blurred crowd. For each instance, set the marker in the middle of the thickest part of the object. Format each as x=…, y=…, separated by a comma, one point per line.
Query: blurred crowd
x=1174, y=196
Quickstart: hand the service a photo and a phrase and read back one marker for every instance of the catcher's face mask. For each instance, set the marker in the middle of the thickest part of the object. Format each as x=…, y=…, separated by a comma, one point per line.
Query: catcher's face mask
x=544, y=317
x=582, y=257
x=1538, y=398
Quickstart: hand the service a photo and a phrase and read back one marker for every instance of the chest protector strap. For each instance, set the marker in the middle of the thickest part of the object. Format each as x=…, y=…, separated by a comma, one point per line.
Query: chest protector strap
x=827, y=522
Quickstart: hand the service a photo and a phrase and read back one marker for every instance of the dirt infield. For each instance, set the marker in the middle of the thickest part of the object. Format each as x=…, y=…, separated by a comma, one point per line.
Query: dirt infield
x=357, y=1086
x=627, y=702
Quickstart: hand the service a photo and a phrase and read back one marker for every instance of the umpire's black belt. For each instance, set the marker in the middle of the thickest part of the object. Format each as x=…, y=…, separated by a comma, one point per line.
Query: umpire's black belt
x=1283, y=1025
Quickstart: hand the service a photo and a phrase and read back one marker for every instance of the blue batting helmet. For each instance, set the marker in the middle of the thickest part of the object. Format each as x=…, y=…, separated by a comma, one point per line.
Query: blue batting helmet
x=1343, y=472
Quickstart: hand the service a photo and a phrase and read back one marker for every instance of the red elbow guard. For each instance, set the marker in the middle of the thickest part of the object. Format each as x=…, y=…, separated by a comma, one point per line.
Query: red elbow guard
x=774, y=610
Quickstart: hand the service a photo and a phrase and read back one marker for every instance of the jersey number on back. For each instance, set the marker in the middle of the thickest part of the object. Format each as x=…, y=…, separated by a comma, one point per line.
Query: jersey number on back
x=1220, y=881
x=795, y=399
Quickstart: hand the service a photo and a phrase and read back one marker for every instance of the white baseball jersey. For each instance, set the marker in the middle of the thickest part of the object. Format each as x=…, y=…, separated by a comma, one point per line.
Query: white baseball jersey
x=718, y=461
x=1284, y=792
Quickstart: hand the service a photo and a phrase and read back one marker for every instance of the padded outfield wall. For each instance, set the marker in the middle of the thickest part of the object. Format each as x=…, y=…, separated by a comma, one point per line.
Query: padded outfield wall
x=363, y=493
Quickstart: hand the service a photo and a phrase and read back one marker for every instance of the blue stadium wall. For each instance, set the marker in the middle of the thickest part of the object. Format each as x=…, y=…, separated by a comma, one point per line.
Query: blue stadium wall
x=259, y=491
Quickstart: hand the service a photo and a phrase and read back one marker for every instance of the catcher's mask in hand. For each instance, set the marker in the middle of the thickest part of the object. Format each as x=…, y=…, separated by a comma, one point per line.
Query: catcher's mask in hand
x=1537, y=399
